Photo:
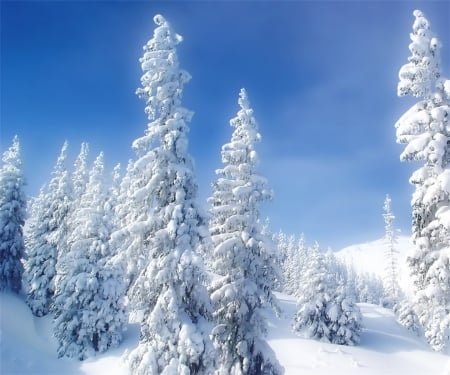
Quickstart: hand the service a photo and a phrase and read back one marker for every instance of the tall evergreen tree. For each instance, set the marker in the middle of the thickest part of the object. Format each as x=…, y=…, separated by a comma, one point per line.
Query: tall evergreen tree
x=47, y=230
x=12, y=218
x=89, y=305
x=425, y=130
x=172, y=230
x=392, y=288
x=243, y=254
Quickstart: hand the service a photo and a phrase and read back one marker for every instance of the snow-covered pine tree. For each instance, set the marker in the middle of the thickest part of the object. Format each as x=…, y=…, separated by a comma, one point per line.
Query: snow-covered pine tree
x=46, y=231
x=274, y=279
x=89, y=305
x=406, y=316
x=170, y=290
x=41, y=257
x=127, y=244
x=391, y=288
x=242, y=254
x=113, y=197
x=345, y=317
x=425, y=130
x=298, y=259
x=280, y=241
x=289, y=267
x=370, y=288
x=310, y=320
x=80, y=175
x=325, y=311
x=12, y=218
x=78, y=181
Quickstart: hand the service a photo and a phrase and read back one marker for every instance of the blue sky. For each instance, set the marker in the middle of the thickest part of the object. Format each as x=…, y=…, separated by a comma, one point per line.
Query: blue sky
x=321, y=77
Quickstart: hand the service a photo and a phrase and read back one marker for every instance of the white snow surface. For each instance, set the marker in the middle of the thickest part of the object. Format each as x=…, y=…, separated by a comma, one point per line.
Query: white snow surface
x=27, y=347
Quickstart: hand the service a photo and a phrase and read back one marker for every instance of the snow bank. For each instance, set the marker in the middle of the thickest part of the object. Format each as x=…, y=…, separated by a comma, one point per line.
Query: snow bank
x=27, y=347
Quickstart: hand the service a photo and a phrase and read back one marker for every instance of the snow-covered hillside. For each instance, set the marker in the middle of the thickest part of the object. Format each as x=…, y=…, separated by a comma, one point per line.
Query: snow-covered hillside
x=27, y=347
x=369, y=257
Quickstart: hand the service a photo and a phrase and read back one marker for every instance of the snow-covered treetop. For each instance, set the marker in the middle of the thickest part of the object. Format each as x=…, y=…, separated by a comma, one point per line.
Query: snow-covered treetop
x=245, y=123
x=162, y=83
x=61, y=161
x=11, y=157
x=81, y=174
x=418, y=77
x=241, y=148
x=388, y=215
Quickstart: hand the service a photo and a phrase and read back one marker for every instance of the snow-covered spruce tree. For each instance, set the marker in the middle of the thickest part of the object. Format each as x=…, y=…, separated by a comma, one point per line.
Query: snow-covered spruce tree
x=41, y=257
x=299, y=257
x=89, y=309
x=242, y=254
x=289, y=267
x=78, y=181
x=127, y=244
x=274, y=279
x=46, y=231
x=345, y=317
x=80, y=175
x=170, y=290
x=12, y=219
x=425, y=130
x=391, y=286
x=280, y=241
x=325, y=311
x=406, y=316
x=370, y=288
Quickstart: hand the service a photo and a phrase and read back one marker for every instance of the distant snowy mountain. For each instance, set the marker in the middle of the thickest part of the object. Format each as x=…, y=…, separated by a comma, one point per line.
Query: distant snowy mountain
x=27, y=347
x=369, y=257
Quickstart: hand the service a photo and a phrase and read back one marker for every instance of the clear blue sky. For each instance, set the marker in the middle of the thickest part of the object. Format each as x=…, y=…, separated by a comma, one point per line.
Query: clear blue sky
x=321, y=77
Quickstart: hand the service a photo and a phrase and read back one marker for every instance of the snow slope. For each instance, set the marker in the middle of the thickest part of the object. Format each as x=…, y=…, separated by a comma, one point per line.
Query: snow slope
x=386, y=348
x=369, y=257
x=27, y=347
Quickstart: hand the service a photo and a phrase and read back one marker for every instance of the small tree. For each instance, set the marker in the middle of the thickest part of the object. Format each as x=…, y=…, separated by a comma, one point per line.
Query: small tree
x=242, y=254
x=390, y=254
x=325, y=311
x=12, y=219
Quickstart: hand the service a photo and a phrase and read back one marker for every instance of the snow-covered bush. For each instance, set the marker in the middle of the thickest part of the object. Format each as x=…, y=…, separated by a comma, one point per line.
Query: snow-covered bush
x=325, y=312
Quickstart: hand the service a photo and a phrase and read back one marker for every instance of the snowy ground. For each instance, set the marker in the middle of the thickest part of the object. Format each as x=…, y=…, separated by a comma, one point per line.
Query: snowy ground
x=27, y=347
x=386, y=348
